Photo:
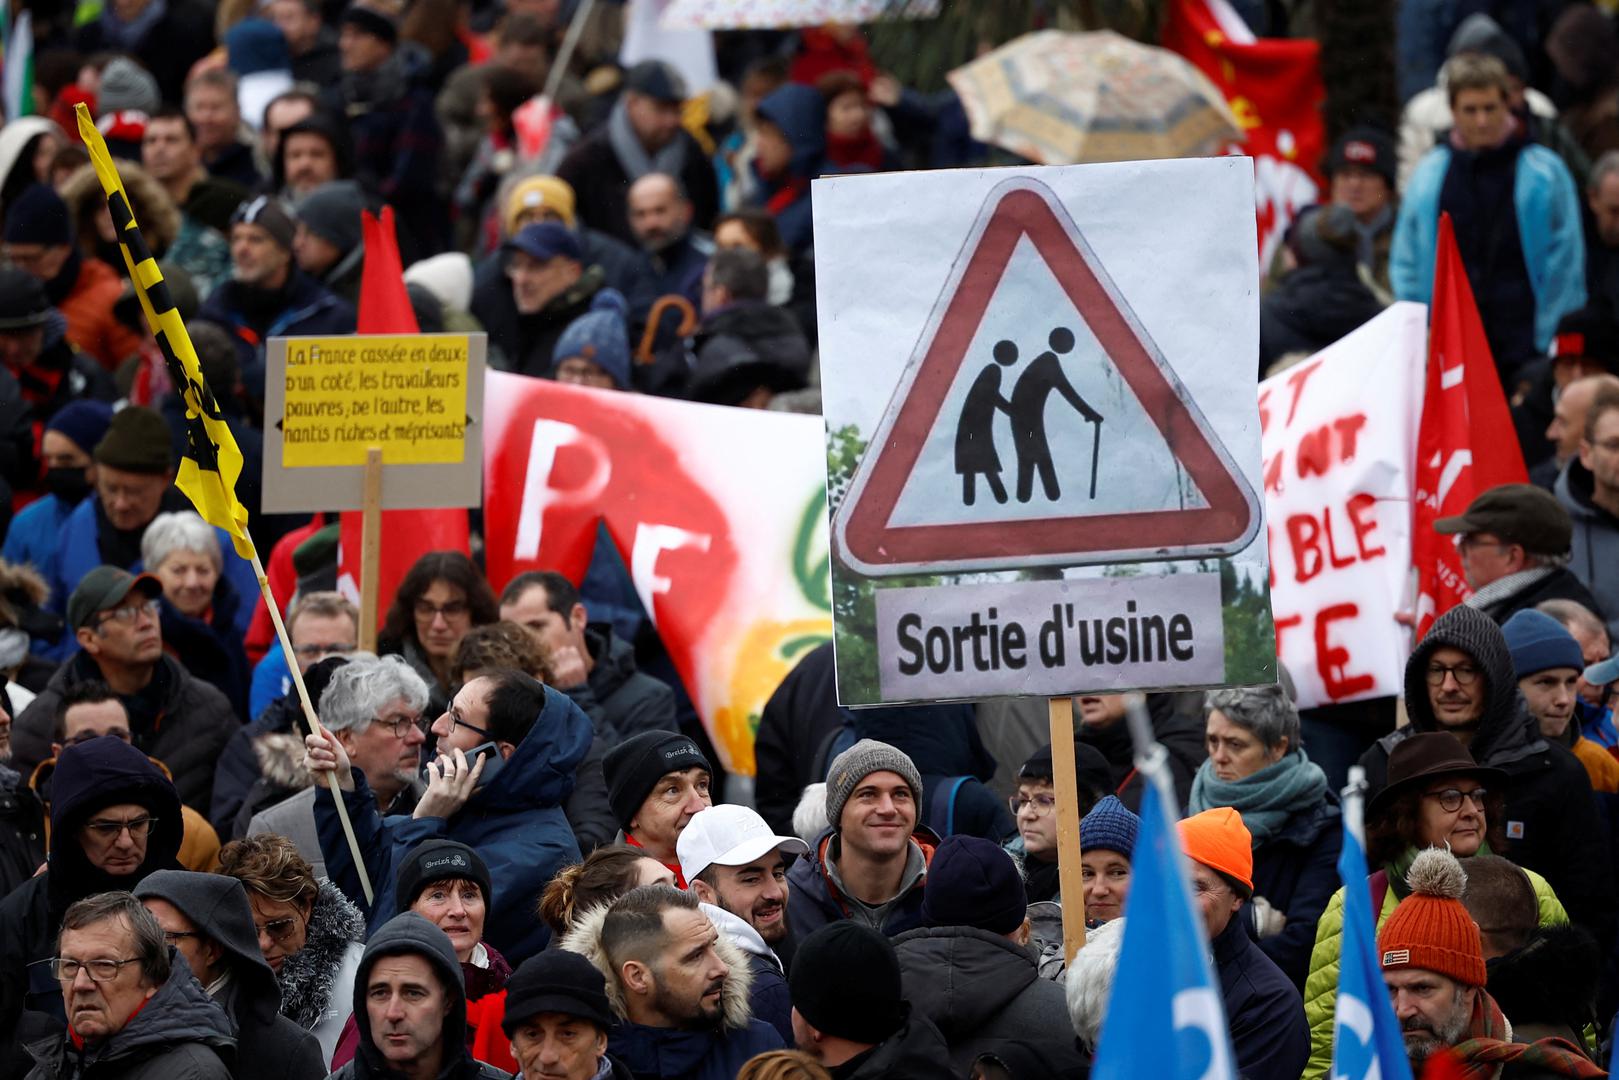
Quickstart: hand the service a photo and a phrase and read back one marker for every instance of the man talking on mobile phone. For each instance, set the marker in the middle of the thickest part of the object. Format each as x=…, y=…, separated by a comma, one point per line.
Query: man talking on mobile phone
x=508, y=747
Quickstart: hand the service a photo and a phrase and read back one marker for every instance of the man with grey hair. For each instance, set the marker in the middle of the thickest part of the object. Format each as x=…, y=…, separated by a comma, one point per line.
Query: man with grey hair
x=1514, y=541
x=373, y=705
x=132, y=1012
x=1257, y=766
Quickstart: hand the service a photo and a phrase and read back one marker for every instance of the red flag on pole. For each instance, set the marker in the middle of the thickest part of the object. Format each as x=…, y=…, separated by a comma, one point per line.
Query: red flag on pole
x=1274, y=87
x=407, y=534
x=1466, y=443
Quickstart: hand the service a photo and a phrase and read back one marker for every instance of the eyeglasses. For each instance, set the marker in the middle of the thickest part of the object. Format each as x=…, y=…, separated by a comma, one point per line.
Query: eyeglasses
x=455, y=721
x=455, y=609
x=1043, y=804
x=320, y=652
x=1451, y=798
x=277, y=929
x=129, y=614
x=108, y=831
x=174, y=937
x=1464, y=674
x=66, y=969
x=400, y=725
x=83, y=737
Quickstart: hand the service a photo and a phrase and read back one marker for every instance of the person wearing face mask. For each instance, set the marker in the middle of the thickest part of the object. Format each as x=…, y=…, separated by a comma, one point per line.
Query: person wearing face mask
x=70, y=435
x=1437, y=796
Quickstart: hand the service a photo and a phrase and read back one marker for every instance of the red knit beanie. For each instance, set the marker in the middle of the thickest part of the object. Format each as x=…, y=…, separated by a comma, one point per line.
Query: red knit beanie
x=1431, y=929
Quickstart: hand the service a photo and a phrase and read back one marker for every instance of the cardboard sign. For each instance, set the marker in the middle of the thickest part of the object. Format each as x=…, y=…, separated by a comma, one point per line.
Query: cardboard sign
x=1340, y=442
x=1057, y=387
x=418, y=397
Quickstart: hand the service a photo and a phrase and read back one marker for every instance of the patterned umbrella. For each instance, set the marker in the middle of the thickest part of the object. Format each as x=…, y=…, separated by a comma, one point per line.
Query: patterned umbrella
x=1060, y=98
x=774, y=14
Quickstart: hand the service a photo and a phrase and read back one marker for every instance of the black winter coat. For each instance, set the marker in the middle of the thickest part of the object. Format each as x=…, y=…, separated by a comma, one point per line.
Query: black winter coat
x=1552, y=822
x=1310, y=309
x=181, y=37
x=269, y=1046
x=631, y=701
x=211, y=651
x=526, y=342
x=22, y=831
x=181, y=721
x=743, y=346
x=795, y=728
x=1297, y=872
x=917, y=1051
x=601, y=184
x=980, y=989
x=1263, y=1009
x=1181, y=734
x=90, y=777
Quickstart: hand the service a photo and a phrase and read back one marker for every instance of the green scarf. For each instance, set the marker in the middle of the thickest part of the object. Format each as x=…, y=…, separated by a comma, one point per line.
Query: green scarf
x=1268, y=798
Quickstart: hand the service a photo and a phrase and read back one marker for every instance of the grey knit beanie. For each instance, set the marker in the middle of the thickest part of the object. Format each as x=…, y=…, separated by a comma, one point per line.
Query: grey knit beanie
x=127, y=85
x=860, y=761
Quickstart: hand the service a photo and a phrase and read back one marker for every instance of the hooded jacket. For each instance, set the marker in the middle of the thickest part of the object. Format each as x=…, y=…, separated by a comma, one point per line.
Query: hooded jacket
x=676, y=1053
x=90, y=777
x=799, y=113
x=192, y=723
x=179, y=1034
x=1549, y=985
x=1181, y=735
x=22, y=831
x=268, y=1045
x=515, y=821
x=768, y=998
x=411, y=935
x=979, y=989
x=1594, y=556
x=1552, y=822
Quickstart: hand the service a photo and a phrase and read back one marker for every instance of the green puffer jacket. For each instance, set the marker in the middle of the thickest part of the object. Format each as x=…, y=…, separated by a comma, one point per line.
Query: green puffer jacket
x=1321, y=985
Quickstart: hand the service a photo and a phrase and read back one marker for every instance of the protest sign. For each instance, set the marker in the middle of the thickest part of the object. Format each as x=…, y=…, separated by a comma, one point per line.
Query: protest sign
x=1043, y=446
x=1340, y=432
x=329, y=401
x=719, y=515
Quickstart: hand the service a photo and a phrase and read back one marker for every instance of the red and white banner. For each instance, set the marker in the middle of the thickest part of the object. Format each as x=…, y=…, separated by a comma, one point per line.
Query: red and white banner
x=719, y=514
x=1274, y=87
x=1339, y=443
x=1466, y=443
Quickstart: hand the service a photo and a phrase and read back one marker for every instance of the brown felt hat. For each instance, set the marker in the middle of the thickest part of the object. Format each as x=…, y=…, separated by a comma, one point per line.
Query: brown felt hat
x=137, y=441
x=1420, y=758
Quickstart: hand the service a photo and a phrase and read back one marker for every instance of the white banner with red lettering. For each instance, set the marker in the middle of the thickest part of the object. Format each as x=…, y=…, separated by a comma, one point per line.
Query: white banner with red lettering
x=1340, y=435
x=719, y=514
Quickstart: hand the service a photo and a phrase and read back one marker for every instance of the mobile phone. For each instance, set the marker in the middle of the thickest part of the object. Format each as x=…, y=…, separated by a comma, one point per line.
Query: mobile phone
x=490, y=752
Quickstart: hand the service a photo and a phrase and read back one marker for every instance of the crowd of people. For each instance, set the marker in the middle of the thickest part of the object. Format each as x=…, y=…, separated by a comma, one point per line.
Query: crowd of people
x=548, y=876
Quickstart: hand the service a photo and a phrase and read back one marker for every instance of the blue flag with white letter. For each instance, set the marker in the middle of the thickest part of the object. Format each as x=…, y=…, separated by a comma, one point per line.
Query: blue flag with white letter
x=1165, y=1017
x=1366, y=1040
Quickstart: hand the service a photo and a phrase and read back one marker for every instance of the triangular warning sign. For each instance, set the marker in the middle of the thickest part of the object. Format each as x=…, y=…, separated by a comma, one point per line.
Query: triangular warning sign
x=989, y=526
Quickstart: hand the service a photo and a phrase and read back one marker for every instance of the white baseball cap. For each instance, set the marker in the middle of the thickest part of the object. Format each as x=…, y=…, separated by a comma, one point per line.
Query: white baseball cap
x=728, y=835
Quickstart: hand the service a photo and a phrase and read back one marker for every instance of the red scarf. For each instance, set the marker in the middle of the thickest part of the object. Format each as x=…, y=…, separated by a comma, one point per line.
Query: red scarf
x=1481, y=1055
x=78, y=1040
x=862, y=149
x=680, y=879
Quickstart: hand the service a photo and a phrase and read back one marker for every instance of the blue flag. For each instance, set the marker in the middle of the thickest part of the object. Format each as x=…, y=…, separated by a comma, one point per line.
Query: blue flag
x=1165, y=1016
x=1366, y=1040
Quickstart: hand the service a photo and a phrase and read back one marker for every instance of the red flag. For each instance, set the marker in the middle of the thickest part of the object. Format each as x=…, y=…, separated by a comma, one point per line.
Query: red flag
x=1274, y=87
x=1465, y=443
x=407, y=534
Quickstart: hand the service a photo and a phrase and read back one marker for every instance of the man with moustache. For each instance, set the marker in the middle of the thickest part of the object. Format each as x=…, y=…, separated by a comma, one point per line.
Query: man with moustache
x=737, y=867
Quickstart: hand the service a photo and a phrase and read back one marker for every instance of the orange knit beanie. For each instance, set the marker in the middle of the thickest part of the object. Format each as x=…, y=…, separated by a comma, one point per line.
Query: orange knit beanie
x=1431, y=929
x=1220, y=841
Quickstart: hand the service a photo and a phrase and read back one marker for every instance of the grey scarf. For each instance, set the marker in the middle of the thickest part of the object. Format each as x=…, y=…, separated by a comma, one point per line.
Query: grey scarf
x=129, y=36
x=632, y=156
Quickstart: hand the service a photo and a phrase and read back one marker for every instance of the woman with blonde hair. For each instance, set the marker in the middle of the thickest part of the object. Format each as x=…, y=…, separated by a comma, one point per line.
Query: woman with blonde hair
x=783, y=1065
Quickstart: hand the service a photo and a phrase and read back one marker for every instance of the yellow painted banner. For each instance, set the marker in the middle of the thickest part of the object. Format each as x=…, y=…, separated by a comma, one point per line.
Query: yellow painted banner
x=406, y=394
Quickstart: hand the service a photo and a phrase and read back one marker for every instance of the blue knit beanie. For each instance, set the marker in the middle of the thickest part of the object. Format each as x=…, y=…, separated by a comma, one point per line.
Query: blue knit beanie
x=1110, y=826
x=600, y=336
x=85, y=422
x=1539, y=642
x=974, y=882
x=254, y=45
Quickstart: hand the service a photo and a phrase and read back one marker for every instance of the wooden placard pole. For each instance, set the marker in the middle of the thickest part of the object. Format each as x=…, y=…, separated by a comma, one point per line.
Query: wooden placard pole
x=1065, y=779
x=370, y=548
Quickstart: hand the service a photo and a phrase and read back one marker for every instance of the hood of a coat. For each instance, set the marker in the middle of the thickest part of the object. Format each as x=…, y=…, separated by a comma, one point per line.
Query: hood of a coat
x=740, y=932
x=217, y=905
x=540, y=772
x=1506, y=731
x=410, y=934
x=88, y=778
x=180, y=1012
x=585, y=939
x=1552, y=979
x=612, y=660
x=1574, y=488
x=960, y=977
x=800, y=113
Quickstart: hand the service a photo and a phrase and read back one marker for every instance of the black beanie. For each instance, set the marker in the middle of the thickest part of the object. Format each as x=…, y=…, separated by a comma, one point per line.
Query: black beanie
x=557, y=981
x=634, y=766
x=974, y=882
x=438, y=860
x=845, y=982
x=39, y=216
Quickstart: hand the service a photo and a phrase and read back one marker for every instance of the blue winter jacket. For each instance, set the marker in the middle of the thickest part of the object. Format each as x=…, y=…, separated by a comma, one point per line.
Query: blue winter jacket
x=32, y=535
x=515, y=822
x=311, y=310
x=676, y=1054
x=1548, y=211
x=1269, y=1034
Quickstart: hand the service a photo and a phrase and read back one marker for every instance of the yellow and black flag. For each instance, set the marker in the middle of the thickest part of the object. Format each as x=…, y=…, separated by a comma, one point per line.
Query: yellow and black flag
x=212, y=462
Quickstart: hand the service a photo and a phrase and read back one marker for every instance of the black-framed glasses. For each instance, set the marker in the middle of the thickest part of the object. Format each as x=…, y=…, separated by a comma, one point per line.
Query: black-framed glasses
x=66, y=969
x=138, y=828
x=456, y=721
x=455, y=609
x=1451, y=798
x=1464, y=674
x=401, y=725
